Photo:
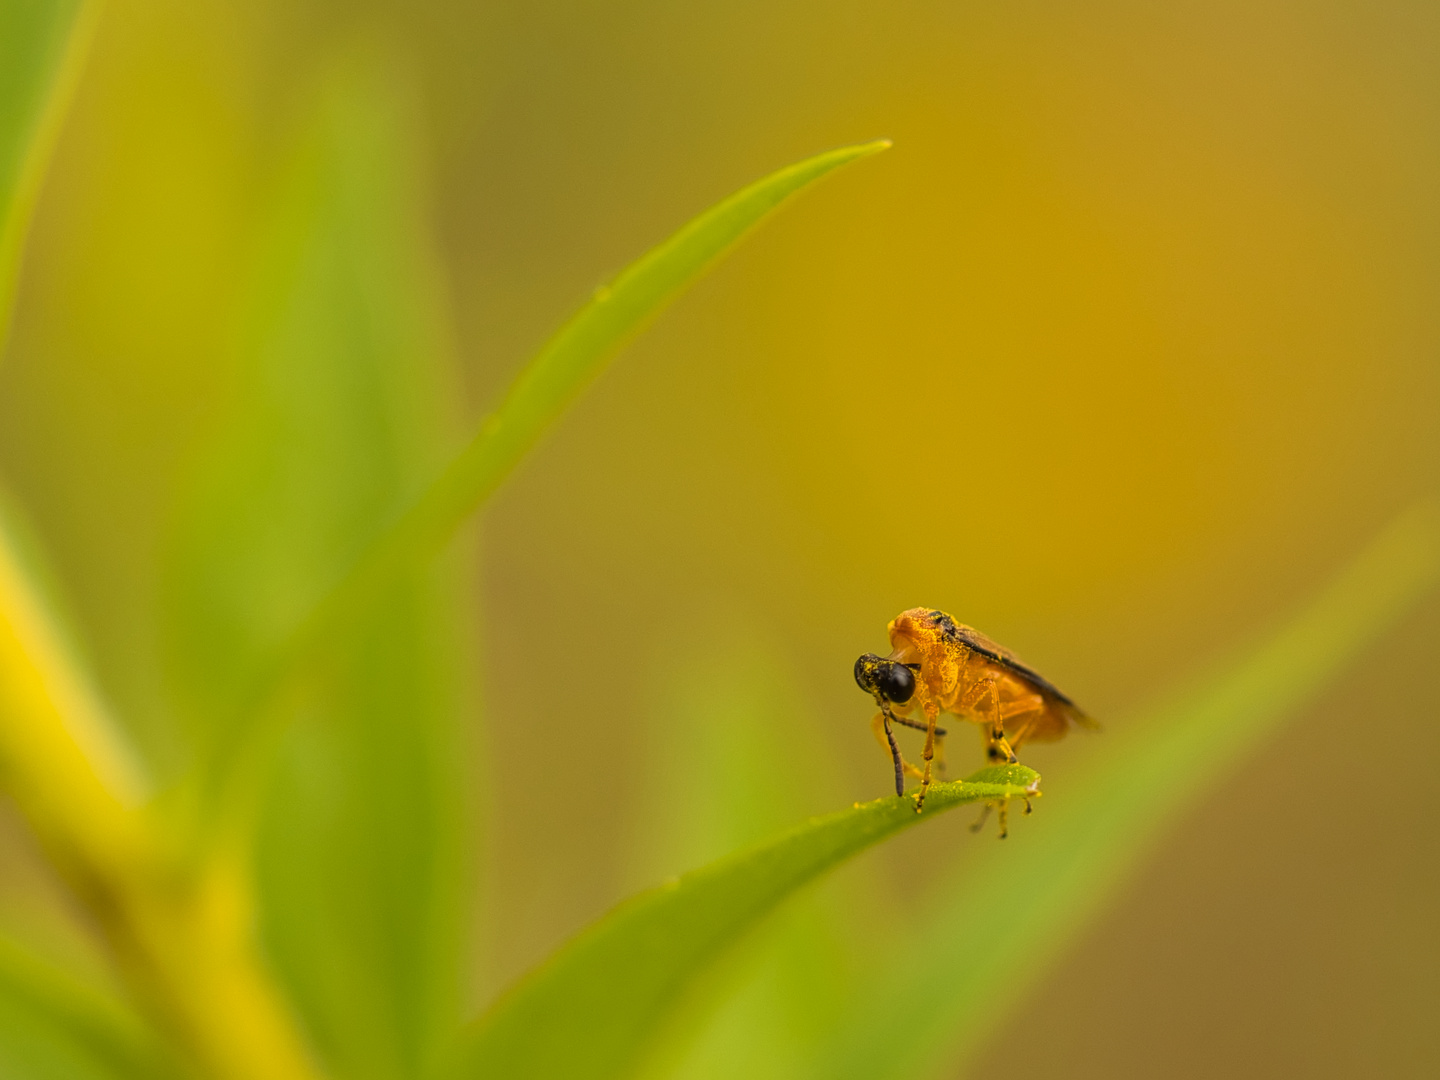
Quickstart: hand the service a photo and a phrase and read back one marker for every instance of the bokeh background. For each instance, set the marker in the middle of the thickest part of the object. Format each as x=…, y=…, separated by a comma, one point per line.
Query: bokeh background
x=1123, y=348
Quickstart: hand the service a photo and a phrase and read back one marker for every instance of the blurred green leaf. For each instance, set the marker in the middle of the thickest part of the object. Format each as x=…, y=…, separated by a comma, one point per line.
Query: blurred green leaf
x=726, y=701
x=595, y=1008
x=917, y=1018
x=549, y=382
x=41, y=46
x=342, y=411
x=53, y=1027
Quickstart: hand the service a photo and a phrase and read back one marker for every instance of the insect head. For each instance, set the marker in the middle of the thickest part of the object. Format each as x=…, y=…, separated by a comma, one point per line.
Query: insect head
x=885, y=679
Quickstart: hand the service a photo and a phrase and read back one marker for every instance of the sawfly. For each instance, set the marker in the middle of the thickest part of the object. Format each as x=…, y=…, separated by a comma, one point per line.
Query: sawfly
x=937, y=665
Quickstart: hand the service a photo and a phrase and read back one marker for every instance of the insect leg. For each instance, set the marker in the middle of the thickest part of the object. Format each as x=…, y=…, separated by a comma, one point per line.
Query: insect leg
x=993, y=731
x=1032, y=707
x=984, y=817
x=939, y=732
x=932, y=712
x=881, y=725
x=996, y=748
x=991, y=753
x=1004, y=819
x=877, y=725
x=997, y=726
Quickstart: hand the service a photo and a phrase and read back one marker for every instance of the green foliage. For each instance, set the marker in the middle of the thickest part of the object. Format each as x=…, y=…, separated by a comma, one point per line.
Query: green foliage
x=595, y=1008
x=892, y=1014
x=1102, y=820
x=341, y=414
x=727, y=696
x=600, y=1004
x=315, y=651
x=565, y=365
x=346, y=789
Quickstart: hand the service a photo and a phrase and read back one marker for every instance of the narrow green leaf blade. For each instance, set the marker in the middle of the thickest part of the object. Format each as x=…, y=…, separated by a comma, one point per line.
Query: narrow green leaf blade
x=726, y=694
x=917, y=1019
x=572, y=358
x=342, y=414
x=594, y=1009
x=562, y=368
x=42, y=43
x=560, y=371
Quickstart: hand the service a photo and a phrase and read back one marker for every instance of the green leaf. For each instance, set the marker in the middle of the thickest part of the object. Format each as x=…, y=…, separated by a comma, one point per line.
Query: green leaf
x=53, y=1027
x=341, y=415
x=42, y=45
x=567, y=363
x=918, y=1018
x=725, y=694
x=594, y=1009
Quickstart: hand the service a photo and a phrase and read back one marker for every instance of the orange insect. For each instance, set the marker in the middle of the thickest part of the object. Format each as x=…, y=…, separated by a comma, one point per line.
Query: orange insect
x=939, y=665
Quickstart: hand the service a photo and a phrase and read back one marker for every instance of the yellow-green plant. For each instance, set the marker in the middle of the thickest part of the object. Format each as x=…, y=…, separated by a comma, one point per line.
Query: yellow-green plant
x=283, y=897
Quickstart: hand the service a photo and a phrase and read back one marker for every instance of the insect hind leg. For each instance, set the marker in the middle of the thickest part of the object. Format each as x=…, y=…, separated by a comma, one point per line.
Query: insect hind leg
x=998, y=741
x=1003, y=806
x=997, y=749
x=1032, y=707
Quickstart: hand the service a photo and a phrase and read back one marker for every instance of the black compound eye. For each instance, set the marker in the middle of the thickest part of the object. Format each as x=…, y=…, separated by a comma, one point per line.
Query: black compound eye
x=865, y=669
x=896, y=682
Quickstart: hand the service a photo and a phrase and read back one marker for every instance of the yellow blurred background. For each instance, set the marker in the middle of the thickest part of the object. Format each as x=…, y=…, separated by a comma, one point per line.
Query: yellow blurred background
x=1128, y=342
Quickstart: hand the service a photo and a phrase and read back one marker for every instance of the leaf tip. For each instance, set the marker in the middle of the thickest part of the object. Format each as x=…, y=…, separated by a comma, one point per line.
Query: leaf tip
x=874, y=146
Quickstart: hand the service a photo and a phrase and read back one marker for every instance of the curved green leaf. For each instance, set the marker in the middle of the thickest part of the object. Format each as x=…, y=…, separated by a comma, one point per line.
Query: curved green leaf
x=567, y=363
x=42, y=43
x=552, y=379
x=595, y=1008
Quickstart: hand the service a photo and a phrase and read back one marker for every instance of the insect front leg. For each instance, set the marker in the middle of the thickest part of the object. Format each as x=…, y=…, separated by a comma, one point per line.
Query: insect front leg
x=886, y=738
x=881, y=724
